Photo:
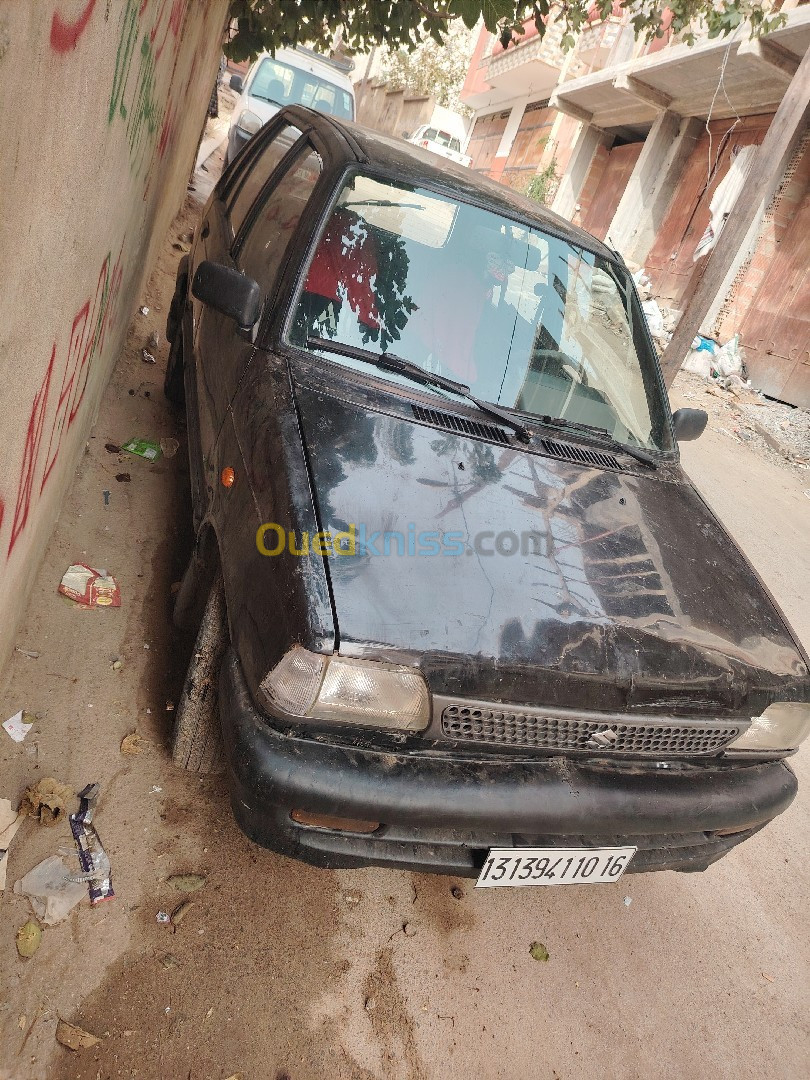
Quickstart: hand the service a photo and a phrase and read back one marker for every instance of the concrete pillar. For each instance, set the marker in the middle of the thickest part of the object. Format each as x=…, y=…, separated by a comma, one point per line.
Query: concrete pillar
x=587, y=142
x=652, y=184
x=511, y=129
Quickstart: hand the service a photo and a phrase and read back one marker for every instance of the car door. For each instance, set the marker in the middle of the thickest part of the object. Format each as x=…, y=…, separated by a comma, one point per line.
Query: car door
x=220, y=349
x=259, y=405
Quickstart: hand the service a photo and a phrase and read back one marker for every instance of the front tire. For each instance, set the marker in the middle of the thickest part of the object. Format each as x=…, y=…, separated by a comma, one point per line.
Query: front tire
x=197, y=736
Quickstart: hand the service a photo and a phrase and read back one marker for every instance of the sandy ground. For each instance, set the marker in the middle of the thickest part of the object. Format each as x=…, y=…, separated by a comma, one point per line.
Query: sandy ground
x=282, y=971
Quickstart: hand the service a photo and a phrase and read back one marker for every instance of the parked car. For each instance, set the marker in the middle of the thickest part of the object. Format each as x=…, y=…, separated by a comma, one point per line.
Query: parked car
x=290, y=77
x=469, y=615
x=440, y=142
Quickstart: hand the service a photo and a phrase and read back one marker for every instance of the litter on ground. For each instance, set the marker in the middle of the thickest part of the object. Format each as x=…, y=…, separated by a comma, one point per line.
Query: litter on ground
x=538, y=951
x=29, y=938
x=51, y=890
x=10, y=821
x=74, y=1038
x=89, y=587
x=18, y=725
x=93, y=859
x=142, y=448
x=132, y=743
x=48, y=801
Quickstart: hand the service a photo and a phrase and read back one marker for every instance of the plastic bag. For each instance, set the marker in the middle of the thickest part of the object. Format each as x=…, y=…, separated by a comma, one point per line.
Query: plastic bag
x=698, y=362
x=654, y=316
x=728, y=359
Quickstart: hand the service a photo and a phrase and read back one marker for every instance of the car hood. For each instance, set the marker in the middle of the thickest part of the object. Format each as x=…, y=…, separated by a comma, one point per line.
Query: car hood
x=564, y=584
x=265, y=110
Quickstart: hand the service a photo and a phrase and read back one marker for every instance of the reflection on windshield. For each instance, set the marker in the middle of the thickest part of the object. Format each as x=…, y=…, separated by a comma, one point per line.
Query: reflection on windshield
x=525, y=319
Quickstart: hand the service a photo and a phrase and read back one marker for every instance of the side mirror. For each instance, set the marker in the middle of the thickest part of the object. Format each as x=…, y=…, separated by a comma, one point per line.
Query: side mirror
x=404, y=134
x=689, y=424
x=237, y=83
x=226, y=290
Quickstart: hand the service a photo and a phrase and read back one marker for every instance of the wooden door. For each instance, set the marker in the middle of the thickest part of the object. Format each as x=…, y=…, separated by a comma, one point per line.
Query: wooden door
x=669, y=262
x=485, y=138
x=603, y=201
x=775, y=330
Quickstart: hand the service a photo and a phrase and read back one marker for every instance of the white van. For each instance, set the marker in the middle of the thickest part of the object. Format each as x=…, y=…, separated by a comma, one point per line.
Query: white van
x=291, y=77
x=440, y=142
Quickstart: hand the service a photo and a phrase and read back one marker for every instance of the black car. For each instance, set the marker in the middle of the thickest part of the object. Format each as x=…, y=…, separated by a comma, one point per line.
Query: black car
x=466, y=612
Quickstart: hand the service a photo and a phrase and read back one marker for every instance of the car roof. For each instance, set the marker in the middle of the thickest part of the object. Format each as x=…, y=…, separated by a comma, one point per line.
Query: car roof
x=413, y=164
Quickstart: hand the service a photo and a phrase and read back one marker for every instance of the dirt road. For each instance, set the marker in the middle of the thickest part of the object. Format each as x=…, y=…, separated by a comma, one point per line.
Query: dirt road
x=283, y=971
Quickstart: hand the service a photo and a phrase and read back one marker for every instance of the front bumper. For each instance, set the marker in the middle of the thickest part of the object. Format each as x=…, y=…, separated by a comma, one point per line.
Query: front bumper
x=442, y=813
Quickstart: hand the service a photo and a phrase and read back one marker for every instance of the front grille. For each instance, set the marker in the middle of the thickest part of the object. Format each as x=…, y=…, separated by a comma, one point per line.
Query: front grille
x=504, y=727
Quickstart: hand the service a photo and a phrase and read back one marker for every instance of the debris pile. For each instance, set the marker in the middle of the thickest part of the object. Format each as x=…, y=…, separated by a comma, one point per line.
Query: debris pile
x=781, y=433
x=660, y=320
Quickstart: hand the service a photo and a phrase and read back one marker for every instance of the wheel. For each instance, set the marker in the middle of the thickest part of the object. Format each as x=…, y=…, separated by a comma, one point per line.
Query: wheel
x=173, y=384
x=197, y=737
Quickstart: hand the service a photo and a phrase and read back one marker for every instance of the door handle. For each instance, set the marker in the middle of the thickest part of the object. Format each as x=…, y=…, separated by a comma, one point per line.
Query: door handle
x=206, y=229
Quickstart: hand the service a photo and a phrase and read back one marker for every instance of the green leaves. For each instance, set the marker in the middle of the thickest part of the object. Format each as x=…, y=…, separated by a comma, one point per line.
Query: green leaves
x=404, y=24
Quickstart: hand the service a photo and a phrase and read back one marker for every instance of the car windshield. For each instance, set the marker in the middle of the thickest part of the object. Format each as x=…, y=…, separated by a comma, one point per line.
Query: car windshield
x=285, y=85
x=525, y=319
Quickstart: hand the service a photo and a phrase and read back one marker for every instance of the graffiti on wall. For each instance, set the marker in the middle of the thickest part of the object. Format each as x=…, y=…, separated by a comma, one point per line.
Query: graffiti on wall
x=153, y=90
x=64, y=33
x=70, y=367
x=135, y=99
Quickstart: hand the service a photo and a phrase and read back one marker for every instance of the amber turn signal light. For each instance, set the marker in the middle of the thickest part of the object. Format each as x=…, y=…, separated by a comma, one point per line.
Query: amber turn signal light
x=227, y=477
x=336, y=824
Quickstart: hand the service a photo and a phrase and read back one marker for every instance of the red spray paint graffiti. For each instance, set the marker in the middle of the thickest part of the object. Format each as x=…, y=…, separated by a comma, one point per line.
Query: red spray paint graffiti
x=64, y=35
x=87, y=335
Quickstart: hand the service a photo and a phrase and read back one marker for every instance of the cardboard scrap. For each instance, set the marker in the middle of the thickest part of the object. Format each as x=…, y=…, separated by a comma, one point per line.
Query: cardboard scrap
x=10, y=821
x=90, y=587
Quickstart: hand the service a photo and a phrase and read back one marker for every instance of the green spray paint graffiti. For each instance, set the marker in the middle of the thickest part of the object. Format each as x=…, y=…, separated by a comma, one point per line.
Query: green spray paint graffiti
x=135, y=99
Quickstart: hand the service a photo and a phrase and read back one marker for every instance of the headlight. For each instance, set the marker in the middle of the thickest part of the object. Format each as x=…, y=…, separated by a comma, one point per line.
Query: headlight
x=349, y=691
x=782, y=726
x=249, y=122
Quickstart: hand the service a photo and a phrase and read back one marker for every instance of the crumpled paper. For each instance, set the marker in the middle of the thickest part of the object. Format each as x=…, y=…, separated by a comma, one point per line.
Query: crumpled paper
x=48, y=801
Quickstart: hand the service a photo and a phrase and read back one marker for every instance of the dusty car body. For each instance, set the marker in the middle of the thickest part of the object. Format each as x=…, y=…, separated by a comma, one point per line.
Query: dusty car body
x=593, y=664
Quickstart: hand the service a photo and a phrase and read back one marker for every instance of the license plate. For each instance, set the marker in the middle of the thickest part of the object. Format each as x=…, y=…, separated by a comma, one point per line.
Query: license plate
x=554, y=866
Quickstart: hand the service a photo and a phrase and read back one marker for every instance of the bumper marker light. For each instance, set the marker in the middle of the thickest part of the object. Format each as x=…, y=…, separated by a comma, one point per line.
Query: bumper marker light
x=336, y=824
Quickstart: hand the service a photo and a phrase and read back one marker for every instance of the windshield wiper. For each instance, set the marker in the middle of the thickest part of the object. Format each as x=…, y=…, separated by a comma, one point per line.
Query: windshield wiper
x=269, y=100
x=390, y=362
x=573, y=425
x=385, y=202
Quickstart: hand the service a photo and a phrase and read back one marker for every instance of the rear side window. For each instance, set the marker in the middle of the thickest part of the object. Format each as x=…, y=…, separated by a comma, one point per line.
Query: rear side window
x=259, y=172
x=275, y=223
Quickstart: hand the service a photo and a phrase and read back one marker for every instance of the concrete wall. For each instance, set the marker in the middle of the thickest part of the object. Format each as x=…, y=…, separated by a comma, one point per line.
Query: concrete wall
x=101, y=107
x=390, y=111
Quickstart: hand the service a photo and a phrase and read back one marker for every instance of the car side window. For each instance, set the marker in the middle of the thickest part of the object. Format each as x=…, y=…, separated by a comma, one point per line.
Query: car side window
x=276, y=221
x=259, y=172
